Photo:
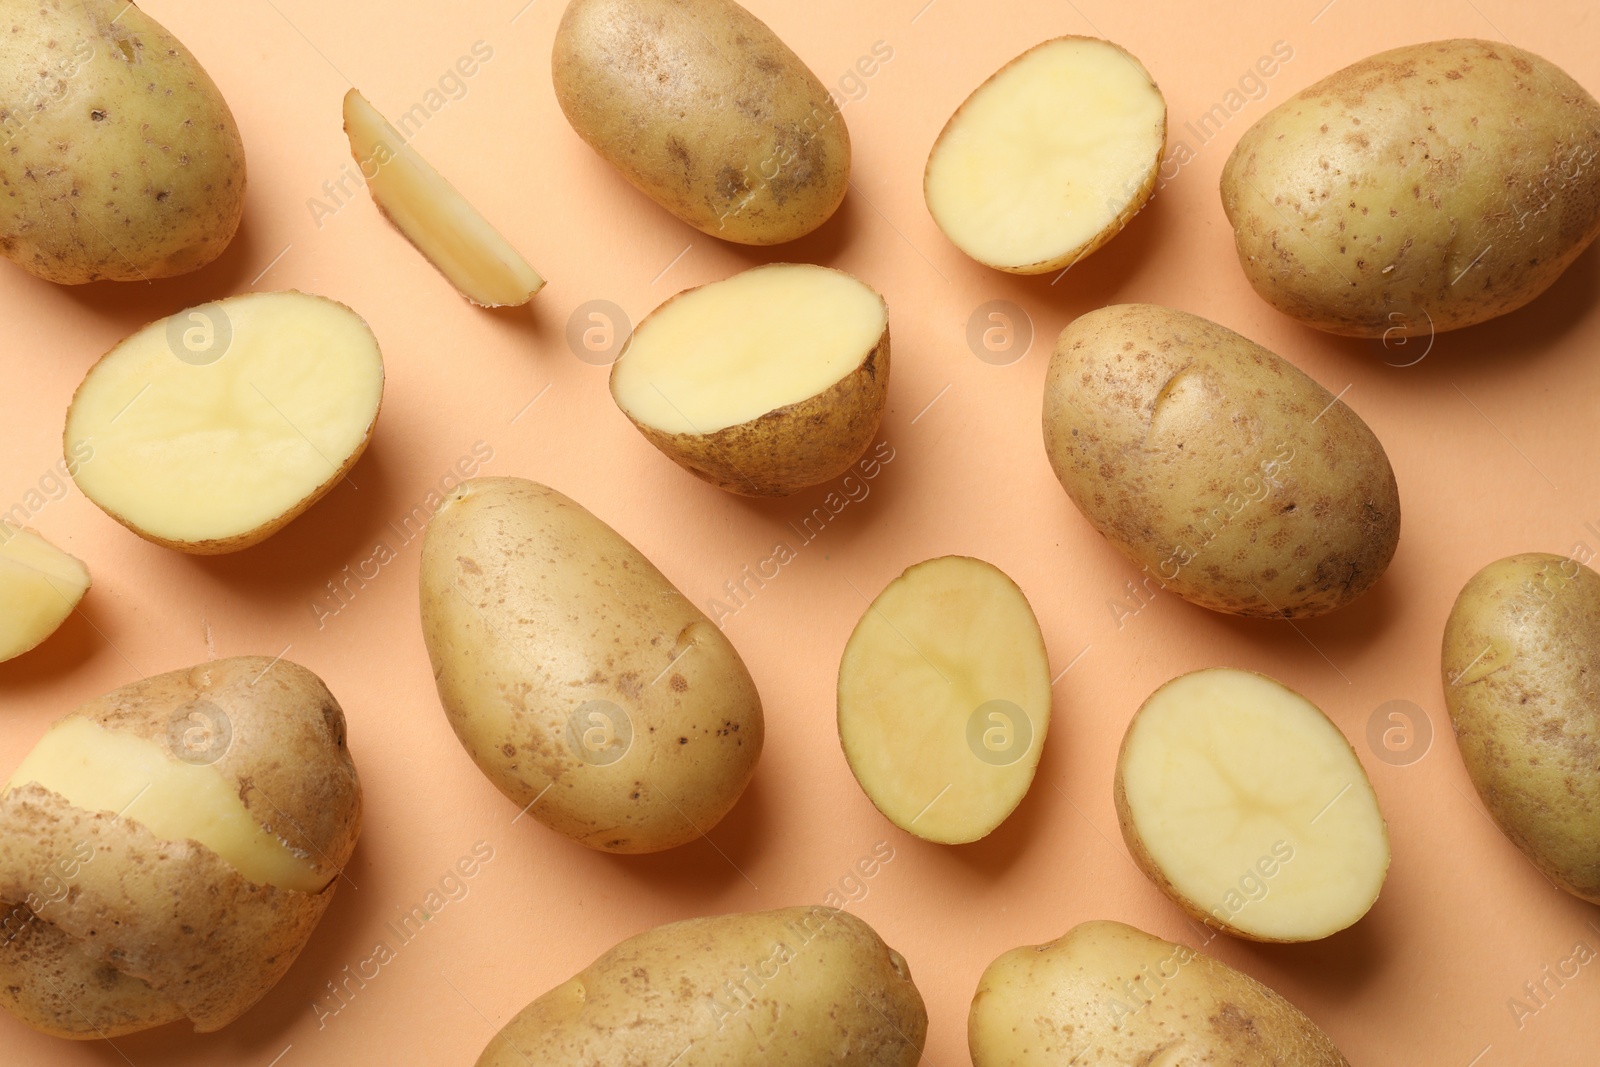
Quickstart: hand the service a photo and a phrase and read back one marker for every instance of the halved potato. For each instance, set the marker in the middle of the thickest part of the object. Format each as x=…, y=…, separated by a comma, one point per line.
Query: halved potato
x=433, y=216
x=1244, y=803
x=763, y=384
x=944, y=699
x=39, y=587
x=213, y=428
x=1050, y=157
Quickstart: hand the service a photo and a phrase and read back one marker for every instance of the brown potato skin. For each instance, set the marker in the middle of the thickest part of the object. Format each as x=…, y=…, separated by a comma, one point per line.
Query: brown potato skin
x=1163, y=427
x=163, y=168
x=703, y=108
x=1419, y=190
x=182, y=927
x=843, y=999
x=1521, y=672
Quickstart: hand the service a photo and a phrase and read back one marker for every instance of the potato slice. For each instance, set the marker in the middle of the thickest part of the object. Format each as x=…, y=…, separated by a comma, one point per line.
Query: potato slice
x=1049, y=158
x=40, y=585
x=433, y=216
x=944, y=699
x=215, y=427
x=763, y=384
x=1244, y=803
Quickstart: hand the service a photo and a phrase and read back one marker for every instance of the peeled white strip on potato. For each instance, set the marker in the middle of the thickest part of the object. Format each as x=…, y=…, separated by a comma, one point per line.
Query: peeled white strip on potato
x=944, y=699
x=1245, y=804
x=1049, y=158
x=433, y=216
x=213, y=428
x=39, y=587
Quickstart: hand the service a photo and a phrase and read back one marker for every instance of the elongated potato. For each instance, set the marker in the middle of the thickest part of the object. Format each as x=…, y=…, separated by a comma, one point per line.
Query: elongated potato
x=585, y=687
x=804, y=987
x=1052, y=156
x=944, y=699
x=167, y=849
x=764, y=384
x=1521, y=667
x=1422, y=189
x=214, y=428
x=40, y=585
x=707, y=112
x=1222, y=471
x=1109, y=995
x=1244, y=803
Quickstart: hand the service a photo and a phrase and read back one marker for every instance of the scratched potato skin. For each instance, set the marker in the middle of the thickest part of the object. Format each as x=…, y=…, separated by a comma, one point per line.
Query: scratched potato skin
x=1220, y=469
x=582, y=683
x=703, y=108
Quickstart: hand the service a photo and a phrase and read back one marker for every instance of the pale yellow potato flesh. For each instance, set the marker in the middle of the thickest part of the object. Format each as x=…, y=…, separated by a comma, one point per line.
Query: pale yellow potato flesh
x=944, y=699
x=734, y=350
x=433, y=216
x=1048, y=158
x=40, y=585
x=97, y=769
x=210, y=453
x=1245, y=803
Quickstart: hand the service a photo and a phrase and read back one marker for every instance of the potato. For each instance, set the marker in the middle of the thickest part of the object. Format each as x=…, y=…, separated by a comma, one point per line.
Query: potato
x=1222, y=471
x=703, y=108
x=1420, y=190
x=1244, y=803
x=40, y=586
x=763, y=384
x=1107, y=995
x=433, y=216
x=944, y=699
x=585, y=687
x=1521, y=667
x=119, y=159
x=213, y=428
x=1052, y=156
x=804, y=987
x=167, y=849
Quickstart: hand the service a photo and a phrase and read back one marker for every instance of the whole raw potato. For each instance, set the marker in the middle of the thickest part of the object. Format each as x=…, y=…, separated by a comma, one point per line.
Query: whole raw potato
x=800, y=987
x=1521, y=669
x=703, y=108
x=119, y=159
x=585, y=687
x=1109, y=995
x=167, y=849
x=1422, y=189
x=1221, y=470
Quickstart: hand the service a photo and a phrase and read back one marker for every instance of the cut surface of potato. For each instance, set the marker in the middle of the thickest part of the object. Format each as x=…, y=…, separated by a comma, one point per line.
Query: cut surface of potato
x=433, y=216
x=213, y=428
x=39, y=587
x=944, y=699
x=1050, y=157
x=1247, y=806
x=97, y=769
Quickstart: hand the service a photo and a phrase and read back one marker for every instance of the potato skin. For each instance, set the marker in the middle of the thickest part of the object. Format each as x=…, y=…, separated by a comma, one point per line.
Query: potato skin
x=531, y=608
x=1421, y=189
x=1521, y=673
x=703, y=108
x=1222, y=470
x=1109, y=994
x=189, y=935
x=839, y=997
x=116, y=130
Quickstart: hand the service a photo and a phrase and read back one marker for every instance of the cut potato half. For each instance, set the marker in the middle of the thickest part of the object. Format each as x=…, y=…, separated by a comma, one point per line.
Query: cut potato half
x=763, y=384
x=433, y=216
x=944, y=699
x=1050, y=157
x=1244, y=803
x=212, y=429
x=40, y=585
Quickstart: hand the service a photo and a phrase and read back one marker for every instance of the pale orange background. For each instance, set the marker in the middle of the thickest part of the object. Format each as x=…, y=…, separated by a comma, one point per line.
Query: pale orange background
x=1491, y=437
